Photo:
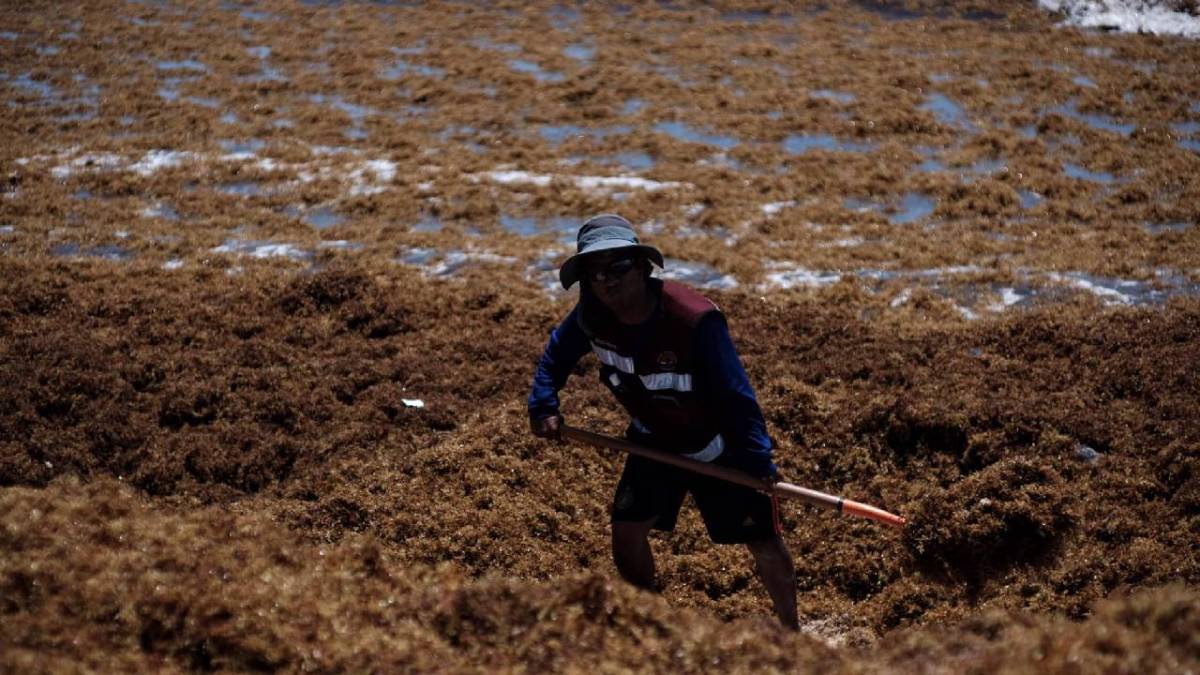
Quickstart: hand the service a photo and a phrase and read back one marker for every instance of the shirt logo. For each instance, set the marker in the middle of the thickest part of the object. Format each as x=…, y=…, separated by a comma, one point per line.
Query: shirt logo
x=667, y=360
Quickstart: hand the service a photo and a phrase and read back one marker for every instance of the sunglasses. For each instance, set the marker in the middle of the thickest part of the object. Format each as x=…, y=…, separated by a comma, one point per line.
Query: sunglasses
x=613, y=270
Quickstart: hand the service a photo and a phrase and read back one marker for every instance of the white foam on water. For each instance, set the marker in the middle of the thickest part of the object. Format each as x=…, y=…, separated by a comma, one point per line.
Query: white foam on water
x=262, y=249
x=1010, y=297
x=435, y=264
x=340, y=245
x=1109, y=295
x=775, y=207
x=88, y=162
x=789, y=275
x=848, y=242
x=172, y=264
x=696, y=274
x=515, y=177
x=1128, y=16
x=371, y=176
x=156, y=160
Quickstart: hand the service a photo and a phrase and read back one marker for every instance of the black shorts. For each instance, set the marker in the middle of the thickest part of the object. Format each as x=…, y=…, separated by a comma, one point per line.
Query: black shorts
x=732, y=513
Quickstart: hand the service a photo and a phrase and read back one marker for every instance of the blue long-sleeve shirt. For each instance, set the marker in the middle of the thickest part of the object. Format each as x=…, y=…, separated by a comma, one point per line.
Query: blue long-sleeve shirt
x=720, y=380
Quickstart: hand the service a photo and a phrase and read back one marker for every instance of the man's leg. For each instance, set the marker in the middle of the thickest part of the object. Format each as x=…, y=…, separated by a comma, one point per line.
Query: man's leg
x=778, y=574
x=631, y=552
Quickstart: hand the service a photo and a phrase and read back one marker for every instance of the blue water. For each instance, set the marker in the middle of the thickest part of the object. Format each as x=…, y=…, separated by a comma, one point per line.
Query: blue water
x=104, y=251
x=947, y=111
x=683, y=132
x=801, y=143
x=931, y=165
x=355, y=111
x=506, y=47
x=1160, y=228
x=257, y=16
x=563, y=18
x=696, y=274
x=186, y=64
x=987, y=167
x=555, y=134
x=165, y=211
x=1080, y=173
x=250, y=146
x=428, y=223
x=531, y=68
x=913, y=206
x=418, y=256
x=357, y=114
x=399, y=68
x=323, y=218
x=832, y=95
x=242, y=188
x=580, y=52
x=529, y=226
x=633, y=106
x=638, y=161
x=1071, y=109
x=27, y=83
x=204, y=101
x=1029, y=198
x=632, y=160
x=168, y=94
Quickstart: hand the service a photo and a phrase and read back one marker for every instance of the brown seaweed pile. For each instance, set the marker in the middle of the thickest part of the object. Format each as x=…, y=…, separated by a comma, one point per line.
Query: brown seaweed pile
x=250, y=423
x=272, y=285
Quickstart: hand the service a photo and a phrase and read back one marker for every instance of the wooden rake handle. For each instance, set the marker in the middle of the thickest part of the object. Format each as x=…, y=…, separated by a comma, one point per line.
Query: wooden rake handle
x=782, y=489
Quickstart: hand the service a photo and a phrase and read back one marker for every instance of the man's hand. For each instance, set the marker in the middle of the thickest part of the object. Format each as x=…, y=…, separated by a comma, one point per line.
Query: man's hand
x=547, y=427
x=768, y=482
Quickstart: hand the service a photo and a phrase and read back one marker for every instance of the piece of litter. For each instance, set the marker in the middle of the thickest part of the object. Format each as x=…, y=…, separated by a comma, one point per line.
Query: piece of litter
x=1086, y=453
x=414, y=402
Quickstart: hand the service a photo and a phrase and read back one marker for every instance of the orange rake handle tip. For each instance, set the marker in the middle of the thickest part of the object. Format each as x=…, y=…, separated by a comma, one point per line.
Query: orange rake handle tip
x=873, y=513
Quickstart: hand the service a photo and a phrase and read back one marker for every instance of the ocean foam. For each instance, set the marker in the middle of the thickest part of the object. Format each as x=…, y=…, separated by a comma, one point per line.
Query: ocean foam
x=511, y=177
x=1129, y=16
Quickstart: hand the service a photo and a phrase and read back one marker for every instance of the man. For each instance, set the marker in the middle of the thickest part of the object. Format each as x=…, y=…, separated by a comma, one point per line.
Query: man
x=666, y=355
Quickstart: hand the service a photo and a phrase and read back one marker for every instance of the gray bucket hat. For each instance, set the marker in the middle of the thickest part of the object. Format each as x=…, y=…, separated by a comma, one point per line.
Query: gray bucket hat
x=603, y=233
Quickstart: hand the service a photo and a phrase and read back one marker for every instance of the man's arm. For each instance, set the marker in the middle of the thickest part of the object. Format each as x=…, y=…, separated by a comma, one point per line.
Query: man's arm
x=732, y=399
x=566, y=346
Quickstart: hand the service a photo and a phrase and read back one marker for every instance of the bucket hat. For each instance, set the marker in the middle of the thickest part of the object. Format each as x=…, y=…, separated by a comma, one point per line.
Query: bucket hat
x=605, y=232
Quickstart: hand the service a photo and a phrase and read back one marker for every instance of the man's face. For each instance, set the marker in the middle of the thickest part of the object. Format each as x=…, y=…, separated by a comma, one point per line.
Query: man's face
x=616, y=278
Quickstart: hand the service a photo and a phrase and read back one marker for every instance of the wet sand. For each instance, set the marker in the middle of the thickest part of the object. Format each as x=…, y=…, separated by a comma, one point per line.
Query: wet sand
x=273, y=279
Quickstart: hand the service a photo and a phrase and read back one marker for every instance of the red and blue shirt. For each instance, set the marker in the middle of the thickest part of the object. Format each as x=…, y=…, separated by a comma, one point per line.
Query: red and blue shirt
x=677, y=374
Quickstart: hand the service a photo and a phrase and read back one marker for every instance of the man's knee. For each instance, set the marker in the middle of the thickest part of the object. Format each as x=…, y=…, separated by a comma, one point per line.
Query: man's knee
x=630, y=533
x=770, y=550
